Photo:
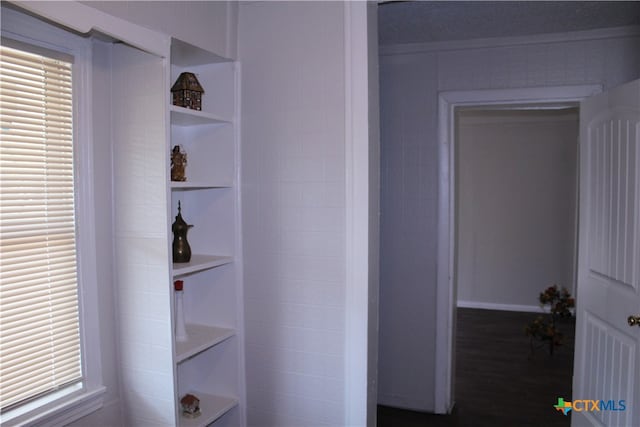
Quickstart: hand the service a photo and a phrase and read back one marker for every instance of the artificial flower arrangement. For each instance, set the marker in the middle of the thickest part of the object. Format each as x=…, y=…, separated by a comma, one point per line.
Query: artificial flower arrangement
x=544, y=328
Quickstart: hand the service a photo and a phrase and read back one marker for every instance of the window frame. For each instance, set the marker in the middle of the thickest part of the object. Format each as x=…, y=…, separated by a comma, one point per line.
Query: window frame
x=63, y=408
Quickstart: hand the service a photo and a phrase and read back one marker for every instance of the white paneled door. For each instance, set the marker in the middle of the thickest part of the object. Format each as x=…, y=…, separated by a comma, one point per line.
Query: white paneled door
x=606, y=388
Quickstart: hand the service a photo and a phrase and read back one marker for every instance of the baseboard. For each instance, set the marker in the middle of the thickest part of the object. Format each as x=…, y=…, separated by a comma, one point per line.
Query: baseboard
x=503, y=307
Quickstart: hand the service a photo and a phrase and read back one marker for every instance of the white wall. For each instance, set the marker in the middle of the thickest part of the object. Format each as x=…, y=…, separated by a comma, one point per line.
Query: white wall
x=409, y=172
x=310, y=168
x=115, y=307
x=211, y=25
x=411, y=77
x=140, y=242
x=516, y=205
x=294, y=211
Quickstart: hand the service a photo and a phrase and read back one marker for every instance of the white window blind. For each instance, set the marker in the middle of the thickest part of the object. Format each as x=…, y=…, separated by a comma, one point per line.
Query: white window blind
x=39, y=315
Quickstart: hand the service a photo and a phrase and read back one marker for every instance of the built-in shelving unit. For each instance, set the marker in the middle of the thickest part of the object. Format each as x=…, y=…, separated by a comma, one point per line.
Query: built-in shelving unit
x=208, y=363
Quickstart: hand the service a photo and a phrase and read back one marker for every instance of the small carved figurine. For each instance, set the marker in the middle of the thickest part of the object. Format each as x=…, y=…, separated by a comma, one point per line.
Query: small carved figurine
x=190, y=406
x=178, y=164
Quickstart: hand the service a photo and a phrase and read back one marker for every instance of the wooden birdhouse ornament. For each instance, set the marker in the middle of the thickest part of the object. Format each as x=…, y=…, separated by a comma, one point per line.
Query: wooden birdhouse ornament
x=187, y=92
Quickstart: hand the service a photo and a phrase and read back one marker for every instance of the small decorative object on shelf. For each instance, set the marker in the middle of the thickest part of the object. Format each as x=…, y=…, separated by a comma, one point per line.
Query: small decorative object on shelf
x=190, y=406
x=181, y=248
x=178, y=164
x=181, y=330
x=545, y=328
x=187, y=92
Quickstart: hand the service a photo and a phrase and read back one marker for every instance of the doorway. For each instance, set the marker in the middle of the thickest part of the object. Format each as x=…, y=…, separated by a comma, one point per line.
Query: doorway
x=516, y=192
x=449, y=103
x=516, y=216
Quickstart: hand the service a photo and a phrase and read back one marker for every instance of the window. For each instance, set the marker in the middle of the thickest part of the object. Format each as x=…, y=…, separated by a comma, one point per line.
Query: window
x=77, y=387
x=39, y=312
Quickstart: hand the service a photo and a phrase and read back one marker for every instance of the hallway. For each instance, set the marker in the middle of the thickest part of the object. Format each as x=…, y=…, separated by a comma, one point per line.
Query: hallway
x=497, y=383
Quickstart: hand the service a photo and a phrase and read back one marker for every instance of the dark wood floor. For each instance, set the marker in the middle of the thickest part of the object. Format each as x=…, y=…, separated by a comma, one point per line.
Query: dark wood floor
x=498, y=381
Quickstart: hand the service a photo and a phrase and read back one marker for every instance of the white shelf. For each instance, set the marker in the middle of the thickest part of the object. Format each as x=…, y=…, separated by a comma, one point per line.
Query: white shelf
x=201, y=337
x=196, y=185
x=211, y=408
x=181, y=116
x=184, y=54
x=200, y=263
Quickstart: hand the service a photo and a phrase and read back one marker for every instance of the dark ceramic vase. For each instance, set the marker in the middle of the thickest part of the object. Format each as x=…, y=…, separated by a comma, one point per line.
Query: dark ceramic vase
x=181, y=248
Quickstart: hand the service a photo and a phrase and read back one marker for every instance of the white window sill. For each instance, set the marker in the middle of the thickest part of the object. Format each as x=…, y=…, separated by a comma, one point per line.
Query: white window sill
x=59, y=412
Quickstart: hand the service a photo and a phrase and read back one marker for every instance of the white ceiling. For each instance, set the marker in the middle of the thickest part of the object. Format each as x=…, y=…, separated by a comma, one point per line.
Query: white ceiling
x=432, y=21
